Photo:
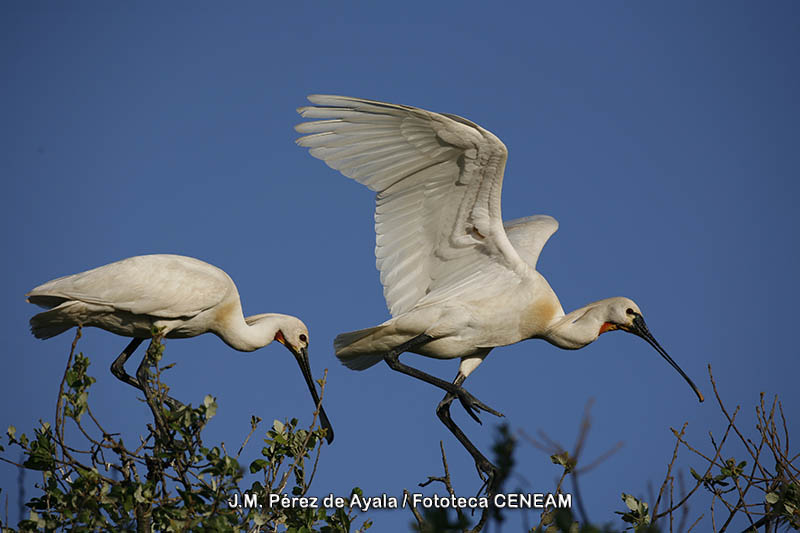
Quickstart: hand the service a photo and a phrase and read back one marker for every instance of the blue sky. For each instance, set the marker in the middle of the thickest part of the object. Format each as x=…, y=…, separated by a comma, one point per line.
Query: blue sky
x=662, y=137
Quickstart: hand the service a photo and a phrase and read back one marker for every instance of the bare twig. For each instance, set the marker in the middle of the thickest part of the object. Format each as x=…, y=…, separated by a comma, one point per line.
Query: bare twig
x=420, y=521
x=253, y=425
x=695, y=523
x=445, y=480
x=668, y=477
x=59, y=429
x=299, y=457
x=711, y=464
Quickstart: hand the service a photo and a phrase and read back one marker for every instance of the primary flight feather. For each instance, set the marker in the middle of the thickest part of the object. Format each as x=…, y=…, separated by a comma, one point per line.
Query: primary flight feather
x=457, y=280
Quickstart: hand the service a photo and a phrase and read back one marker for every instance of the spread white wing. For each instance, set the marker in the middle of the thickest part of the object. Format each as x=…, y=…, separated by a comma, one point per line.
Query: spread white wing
x=528, y=235
x=167, y=286
x=438, y=180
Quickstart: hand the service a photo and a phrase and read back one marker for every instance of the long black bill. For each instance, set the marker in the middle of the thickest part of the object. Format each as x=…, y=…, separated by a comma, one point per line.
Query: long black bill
x=302, y=360
x=640, y=328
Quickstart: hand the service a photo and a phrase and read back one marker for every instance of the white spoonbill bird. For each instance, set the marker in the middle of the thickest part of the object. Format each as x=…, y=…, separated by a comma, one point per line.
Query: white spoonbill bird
x=457, y=280
x=182, y=295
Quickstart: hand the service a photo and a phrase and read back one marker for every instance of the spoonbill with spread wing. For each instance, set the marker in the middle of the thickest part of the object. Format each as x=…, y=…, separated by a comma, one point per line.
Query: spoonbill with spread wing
x=457, y=280
x=182, y=295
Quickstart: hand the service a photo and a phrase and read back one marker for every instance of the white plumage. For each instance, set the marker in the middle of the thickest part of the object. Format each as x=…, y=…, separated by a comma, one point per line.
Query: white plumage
x=457, y=280
x=182, y=295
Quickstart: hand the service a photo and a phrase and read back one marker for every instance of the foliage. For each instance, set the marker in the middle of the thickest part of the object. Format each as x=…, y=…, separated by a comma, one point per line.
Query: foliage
x=763, y=495
x=763, y=488
x=171, y=480
x=442, y=519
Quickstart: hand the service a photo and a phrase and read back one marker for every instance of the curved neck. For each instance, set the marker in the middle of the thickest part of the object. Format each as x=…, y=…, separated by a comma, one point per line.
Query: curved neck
x=253, y=332
x=578, y=328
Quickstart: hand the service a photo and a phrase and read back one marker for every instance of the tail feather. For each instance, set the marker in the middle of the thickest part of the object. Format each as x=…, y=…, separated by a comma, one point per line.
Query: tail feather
x=43, y=328
x=349, y=353
x=53, y=322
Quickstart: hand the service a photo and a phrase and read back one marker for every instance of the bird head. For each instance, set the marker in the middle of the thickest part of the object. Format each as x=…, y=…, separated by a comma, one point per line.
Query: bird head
x=622, y=313
x=293, y=334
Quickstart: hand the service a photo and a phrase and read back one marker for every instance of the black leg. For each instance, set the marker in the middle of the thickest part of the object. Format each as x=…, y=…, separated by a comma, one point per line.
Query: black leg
x=118, y=369
x=470, y=403
x=486, y=469
x=118, y=366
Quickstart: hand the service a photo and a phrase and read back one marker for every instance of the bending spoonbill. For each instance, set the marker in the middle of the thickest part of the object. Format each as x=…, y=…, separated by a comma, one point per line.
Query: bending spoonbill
x=457, y=281
x=183, y=295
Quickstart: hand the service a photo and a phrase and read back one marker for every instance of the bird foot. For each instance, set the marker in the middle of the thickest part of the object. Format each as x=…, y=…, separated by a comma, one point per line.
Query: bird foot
x=488, y=474
x=472, y=405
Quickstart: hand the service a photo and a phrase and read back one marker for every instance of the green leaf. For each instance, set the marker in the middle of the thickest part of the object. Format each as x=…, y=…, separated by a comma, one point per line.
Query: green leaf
x=630, y=501
x=211, y=405
x=563, y=459
x=278, y=426
x=257, y=465
x=39, y=521
x=41, y=457
x=772, y=498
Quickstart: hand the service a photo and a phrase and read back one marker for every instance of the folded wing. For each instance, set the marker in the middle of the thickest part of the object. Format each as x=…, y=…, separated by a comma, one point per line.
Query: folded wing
x=167, y=286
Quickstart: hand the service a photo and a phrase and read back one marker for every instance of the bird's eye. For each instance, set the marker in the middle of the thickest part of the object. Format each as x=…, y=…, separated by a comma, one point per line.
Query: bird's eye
x=630, y=311
x=303, y=337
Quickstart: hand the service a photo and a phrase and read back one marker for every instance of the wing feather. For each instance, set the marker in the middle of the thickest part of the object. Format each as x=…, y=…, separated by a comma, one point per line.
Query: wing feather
x=438, y=179
x=528, y=235
x=167, y=286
